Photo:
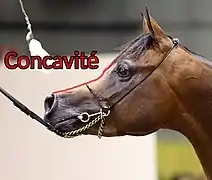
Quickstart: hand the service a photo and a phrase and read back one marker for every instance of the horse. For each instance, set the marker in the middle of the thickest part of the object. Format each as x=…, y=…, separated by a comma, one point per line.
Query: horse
x=154, y=83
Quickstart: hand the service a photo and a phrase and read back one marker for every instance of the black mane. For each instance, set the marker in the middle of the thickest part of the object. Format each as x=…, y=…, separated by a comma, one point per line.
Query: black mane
x=200, y=57
x=136, y=47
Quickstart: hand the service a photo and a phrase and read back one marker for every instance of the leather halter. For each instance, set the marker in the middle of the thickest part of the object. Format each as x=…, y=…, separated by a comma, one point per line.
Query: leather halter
x=84, y=117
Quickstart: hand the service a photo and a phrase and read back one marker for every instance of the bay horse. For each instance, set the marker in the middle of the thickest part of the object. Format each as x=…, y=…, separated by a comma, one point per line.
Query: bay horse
x=154, y=83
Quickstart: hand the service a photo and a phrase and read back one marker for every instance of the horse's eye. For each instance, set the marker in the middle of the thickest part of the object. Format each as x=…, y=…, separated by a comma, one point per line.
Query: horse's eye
x=123, y=70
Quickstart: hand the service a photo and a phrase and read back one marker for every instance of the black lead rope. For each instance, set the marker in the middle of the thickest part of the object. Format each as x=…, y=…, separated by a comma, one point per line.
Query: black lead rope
x=17, y=103
x=26, y=110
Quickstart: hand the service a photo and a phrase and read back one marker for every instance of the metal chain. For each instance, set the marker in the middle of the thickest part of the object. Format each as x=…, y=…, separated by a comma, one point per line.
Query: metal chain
x=101, y=127
x=79, y=131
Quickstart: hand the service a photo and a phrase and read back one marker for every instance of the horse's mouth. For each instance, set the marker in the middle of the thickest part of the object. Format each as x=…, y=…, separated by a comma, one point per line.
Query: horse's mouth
x=66, y=124
x=63, y=121
x=59, y=126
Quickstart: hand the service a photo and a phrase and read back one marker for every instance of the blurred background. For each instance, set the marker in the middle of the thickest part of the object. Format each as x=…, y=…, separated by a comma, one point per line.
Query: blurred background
x=28, y=151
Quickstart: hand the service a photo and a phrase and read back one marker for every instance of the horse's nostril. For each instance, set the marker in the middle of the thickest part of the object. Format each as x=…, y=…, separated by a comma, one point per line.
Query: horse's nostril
x=50, y=104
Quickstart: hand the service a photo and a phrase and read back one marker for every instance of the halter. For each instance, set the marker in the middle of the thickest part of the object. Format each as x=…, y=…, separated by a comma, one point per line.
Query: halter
x=83, y=117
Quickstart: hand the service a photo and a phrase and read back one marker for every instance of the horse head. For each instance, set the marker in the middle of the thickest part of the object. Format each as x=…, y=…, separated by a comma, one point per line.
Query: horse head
x=136, y=95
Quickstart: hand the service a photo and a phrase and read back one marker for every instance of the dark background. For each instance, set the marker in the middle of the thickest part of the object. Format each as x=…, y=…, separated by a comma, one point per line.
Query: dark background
x=65, y=25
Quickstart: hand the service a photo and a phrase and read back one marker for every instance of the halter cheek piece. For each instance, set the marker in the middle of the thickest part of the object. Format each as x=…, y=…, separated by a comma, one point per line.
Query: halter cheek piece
x=83, y=117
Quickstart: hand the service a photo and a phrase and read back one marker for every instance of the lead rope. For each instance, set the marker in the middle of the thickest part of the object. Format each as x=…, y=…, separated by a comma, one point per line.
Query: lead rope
x=101, y=117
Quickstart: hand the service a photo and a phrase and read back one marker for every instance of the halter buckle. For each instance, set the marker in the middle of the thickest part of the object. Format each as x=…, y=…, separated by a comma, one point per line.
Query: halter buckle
x=105, y=111
x=175, y=41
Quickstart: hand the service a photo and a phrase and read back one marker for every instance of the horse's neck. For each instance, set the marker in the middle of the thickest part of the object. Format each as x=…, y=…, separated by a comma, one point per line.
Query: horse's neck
x=194, y=119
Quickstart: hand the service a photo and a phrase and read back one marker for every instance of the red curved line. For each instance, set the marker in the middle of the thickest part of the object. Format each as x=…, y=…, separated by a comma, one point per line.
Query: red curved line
x=59, y=91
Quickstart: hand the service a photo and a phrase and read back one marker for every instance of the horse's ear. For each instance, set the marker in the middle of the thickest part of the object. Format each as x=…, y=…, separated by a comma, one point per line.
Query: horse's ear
x=145, y=26
x=154, y=29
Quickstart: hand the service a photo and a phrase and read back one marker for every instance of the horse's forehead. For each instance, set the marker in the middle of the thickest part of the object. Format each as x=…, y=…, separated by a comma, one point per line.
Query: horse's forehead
x=148, y=56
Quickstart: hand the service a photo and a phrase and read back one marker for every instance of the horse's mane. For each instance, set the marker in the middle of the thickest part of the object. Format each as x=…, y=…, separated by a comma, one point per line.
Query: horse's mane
x=200, y=57
x=136, y=47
